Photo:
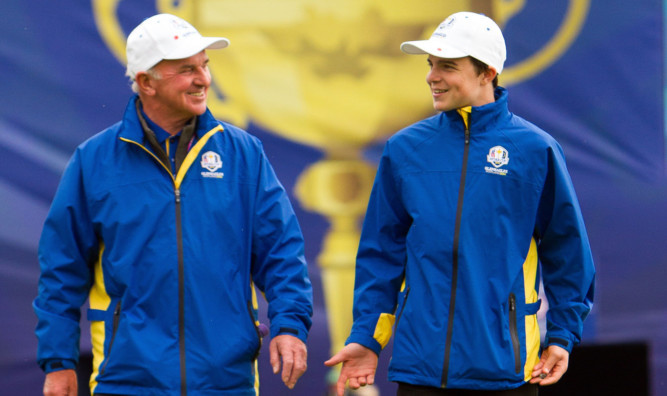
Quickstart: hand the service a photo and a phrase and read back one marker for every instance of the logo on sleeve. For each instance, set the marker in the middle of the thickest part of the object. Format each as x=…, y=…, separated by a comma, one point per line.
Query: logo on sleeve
x=498, y=157
x=211, y=162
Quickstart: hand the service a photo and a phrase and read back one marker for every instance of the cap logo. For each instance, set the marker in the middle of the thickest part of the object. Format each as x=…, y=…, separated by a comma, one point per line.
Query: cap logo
x=440, y=31
x=182, y=28
x=179, y=24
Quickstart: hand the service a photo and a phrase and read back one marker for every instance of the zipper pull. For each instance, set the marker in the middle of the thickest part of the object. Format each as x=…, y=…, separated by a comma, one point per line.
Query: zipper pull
x=177, y=192
x=467, y=135
x=512, y=303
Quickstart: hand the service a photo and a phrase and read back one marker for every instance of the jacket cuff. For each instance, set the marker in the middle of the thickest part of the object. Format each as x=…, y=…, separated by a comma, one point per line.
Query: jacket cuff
x=301, y=334
x=366, y=340
x=56, y=365
x=557, y=340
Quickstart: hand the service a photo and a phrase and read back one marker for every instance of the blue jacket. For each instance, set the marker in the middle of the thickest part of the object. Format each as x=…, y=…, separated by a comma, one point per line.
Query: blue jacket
x=458, y=219
x=168, y=263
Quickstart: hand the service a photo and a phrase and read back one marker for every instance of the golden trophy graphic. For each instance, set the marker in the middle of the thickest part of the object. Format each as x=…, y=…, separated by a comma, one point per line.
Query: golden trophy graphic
x=330, y=74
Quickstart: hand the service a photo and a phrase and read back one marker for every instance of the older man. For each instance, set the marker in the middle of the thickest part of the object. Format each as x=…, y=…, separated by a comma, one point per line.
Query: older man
x=166, y=222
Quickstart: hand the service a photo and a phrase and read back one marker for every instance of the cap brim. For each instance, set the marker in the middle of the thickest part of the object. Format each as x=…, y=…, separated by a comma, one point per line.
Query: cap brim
x=439, y=49
x=217, y=42
x=195, y=46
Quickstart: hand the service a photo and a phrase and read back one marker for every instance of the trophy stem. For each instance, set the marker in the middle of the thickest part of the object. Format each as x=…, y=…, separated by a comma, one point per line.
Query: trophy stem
x=337, y=262
x=339, y=190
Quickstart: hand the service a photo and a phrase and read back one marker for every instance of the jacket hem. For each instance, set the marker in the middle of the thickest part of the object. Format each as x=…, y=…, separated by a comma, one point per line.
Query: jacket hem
x=453, y=383
x=137, y=390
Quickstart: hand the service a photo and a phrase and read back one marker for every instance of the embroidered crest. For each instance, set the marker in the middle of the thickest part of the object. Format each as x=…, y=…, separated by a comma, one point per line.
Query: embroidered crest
x=498, y=156
x=211, y=161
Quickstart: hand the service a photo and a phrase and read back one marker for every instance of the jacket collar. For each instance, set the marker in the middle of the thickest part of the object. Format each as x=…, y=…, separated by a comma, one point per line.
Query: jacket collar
x=131, y=126
x=485, y=117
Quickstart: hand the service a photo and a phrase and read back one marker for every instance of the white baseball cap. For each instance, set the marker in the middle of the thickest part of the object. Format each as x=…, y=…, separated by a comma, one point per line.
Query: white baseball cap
x=464, y=34
x=165, y=36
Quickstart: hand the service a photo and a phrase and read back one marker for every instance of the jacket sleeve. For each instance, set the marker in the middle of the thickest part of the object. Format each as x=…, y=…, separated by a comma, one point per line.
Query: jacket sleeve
x=381, y=259
x=279, y=267
x=66, y=248
x=564, y=251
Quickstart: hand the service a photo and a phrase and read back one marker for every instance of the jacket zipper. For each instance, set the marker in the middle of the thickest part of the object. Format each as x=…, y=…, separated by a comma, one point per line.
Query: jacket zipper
x=181, y=291
x=514, y=334
x=179, y=243
x=181, y=280
x=114, y=328
x=455, y=258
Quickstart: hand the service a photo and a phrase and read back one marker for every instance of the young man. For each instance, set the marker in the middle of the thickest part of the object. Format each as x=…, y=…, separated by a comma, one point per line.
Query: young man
x=464, y=206
x=165, y=221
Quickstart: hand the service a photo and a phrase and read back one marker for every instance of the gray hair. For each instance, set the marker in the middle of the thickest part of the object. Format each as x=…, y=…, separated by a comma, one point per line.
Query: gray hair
x=152, y=72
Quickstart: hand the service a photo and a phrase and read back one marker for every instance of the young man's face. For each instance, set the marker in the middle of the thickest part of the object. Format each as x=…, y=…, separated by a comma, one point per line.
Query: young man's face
x=181, y=89
x=455, y=83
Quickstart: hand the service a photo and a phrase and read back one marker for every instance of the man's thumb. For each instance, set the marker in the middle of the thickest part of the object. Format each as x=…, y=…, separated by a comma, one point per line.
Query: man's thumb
x=336, y=359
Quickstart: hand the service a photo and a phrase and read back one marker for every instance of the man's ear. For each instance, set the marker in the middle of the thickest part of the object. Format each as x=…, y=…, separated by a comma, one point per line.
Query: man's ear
x=145, y=83
x=489, y=75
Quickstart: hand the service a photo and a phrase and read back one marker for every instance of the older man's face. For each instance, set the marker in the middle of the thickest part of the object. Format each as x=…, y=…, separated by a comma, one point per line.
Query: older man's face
x=181, y=91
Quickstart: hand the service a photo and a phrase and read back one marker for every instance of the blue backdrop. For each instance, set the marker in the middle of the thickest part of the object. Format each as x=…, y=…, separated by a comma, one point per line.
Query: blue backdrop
x=602, y=99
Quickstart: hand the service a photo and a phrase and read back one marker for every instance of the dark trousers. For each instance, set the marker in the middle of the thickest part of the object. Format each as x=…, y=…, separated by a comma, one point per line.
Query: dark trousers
x=417, y=390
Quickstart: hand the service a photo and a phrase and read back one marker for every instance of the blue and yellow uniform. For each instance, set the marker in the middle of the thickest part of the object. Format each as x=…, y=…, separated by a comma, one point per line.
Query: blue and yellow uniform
x=464, y=207
x=168, y=262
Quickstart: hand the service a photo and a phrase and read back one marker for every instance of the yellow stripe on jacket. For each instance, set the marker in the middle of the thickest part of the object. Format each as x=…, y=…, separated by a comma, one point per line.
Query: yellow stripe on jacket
x=532, y=327
x=100, y=300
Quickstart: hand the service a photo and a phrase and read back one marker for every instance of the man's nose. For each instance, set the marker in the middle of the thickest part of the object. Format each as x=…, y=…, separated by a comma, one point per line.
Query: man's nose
x=203, y=76
x=431, y=77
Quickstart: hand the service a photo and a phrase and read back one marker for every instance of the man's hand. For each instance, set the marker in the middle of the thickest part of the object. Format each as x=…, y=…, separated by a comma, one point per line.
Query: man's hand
x=551, y=367
x=61, y=383
x=293, y=354
x=359, y=365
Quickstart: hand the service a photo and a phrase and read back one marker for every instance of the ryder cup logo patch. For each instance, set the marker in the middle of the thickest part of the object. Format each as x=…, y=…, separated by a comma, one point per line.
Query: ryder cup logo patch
x=498, y=156
x=211, y=161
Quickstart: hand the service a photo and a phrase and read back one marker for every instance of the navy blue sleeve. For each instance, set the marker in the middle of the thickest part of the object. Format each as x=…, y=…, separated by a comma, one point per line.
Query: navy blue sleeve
x=565, y=254
x=279, y=267
x=381, y=258
x=66, y=248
